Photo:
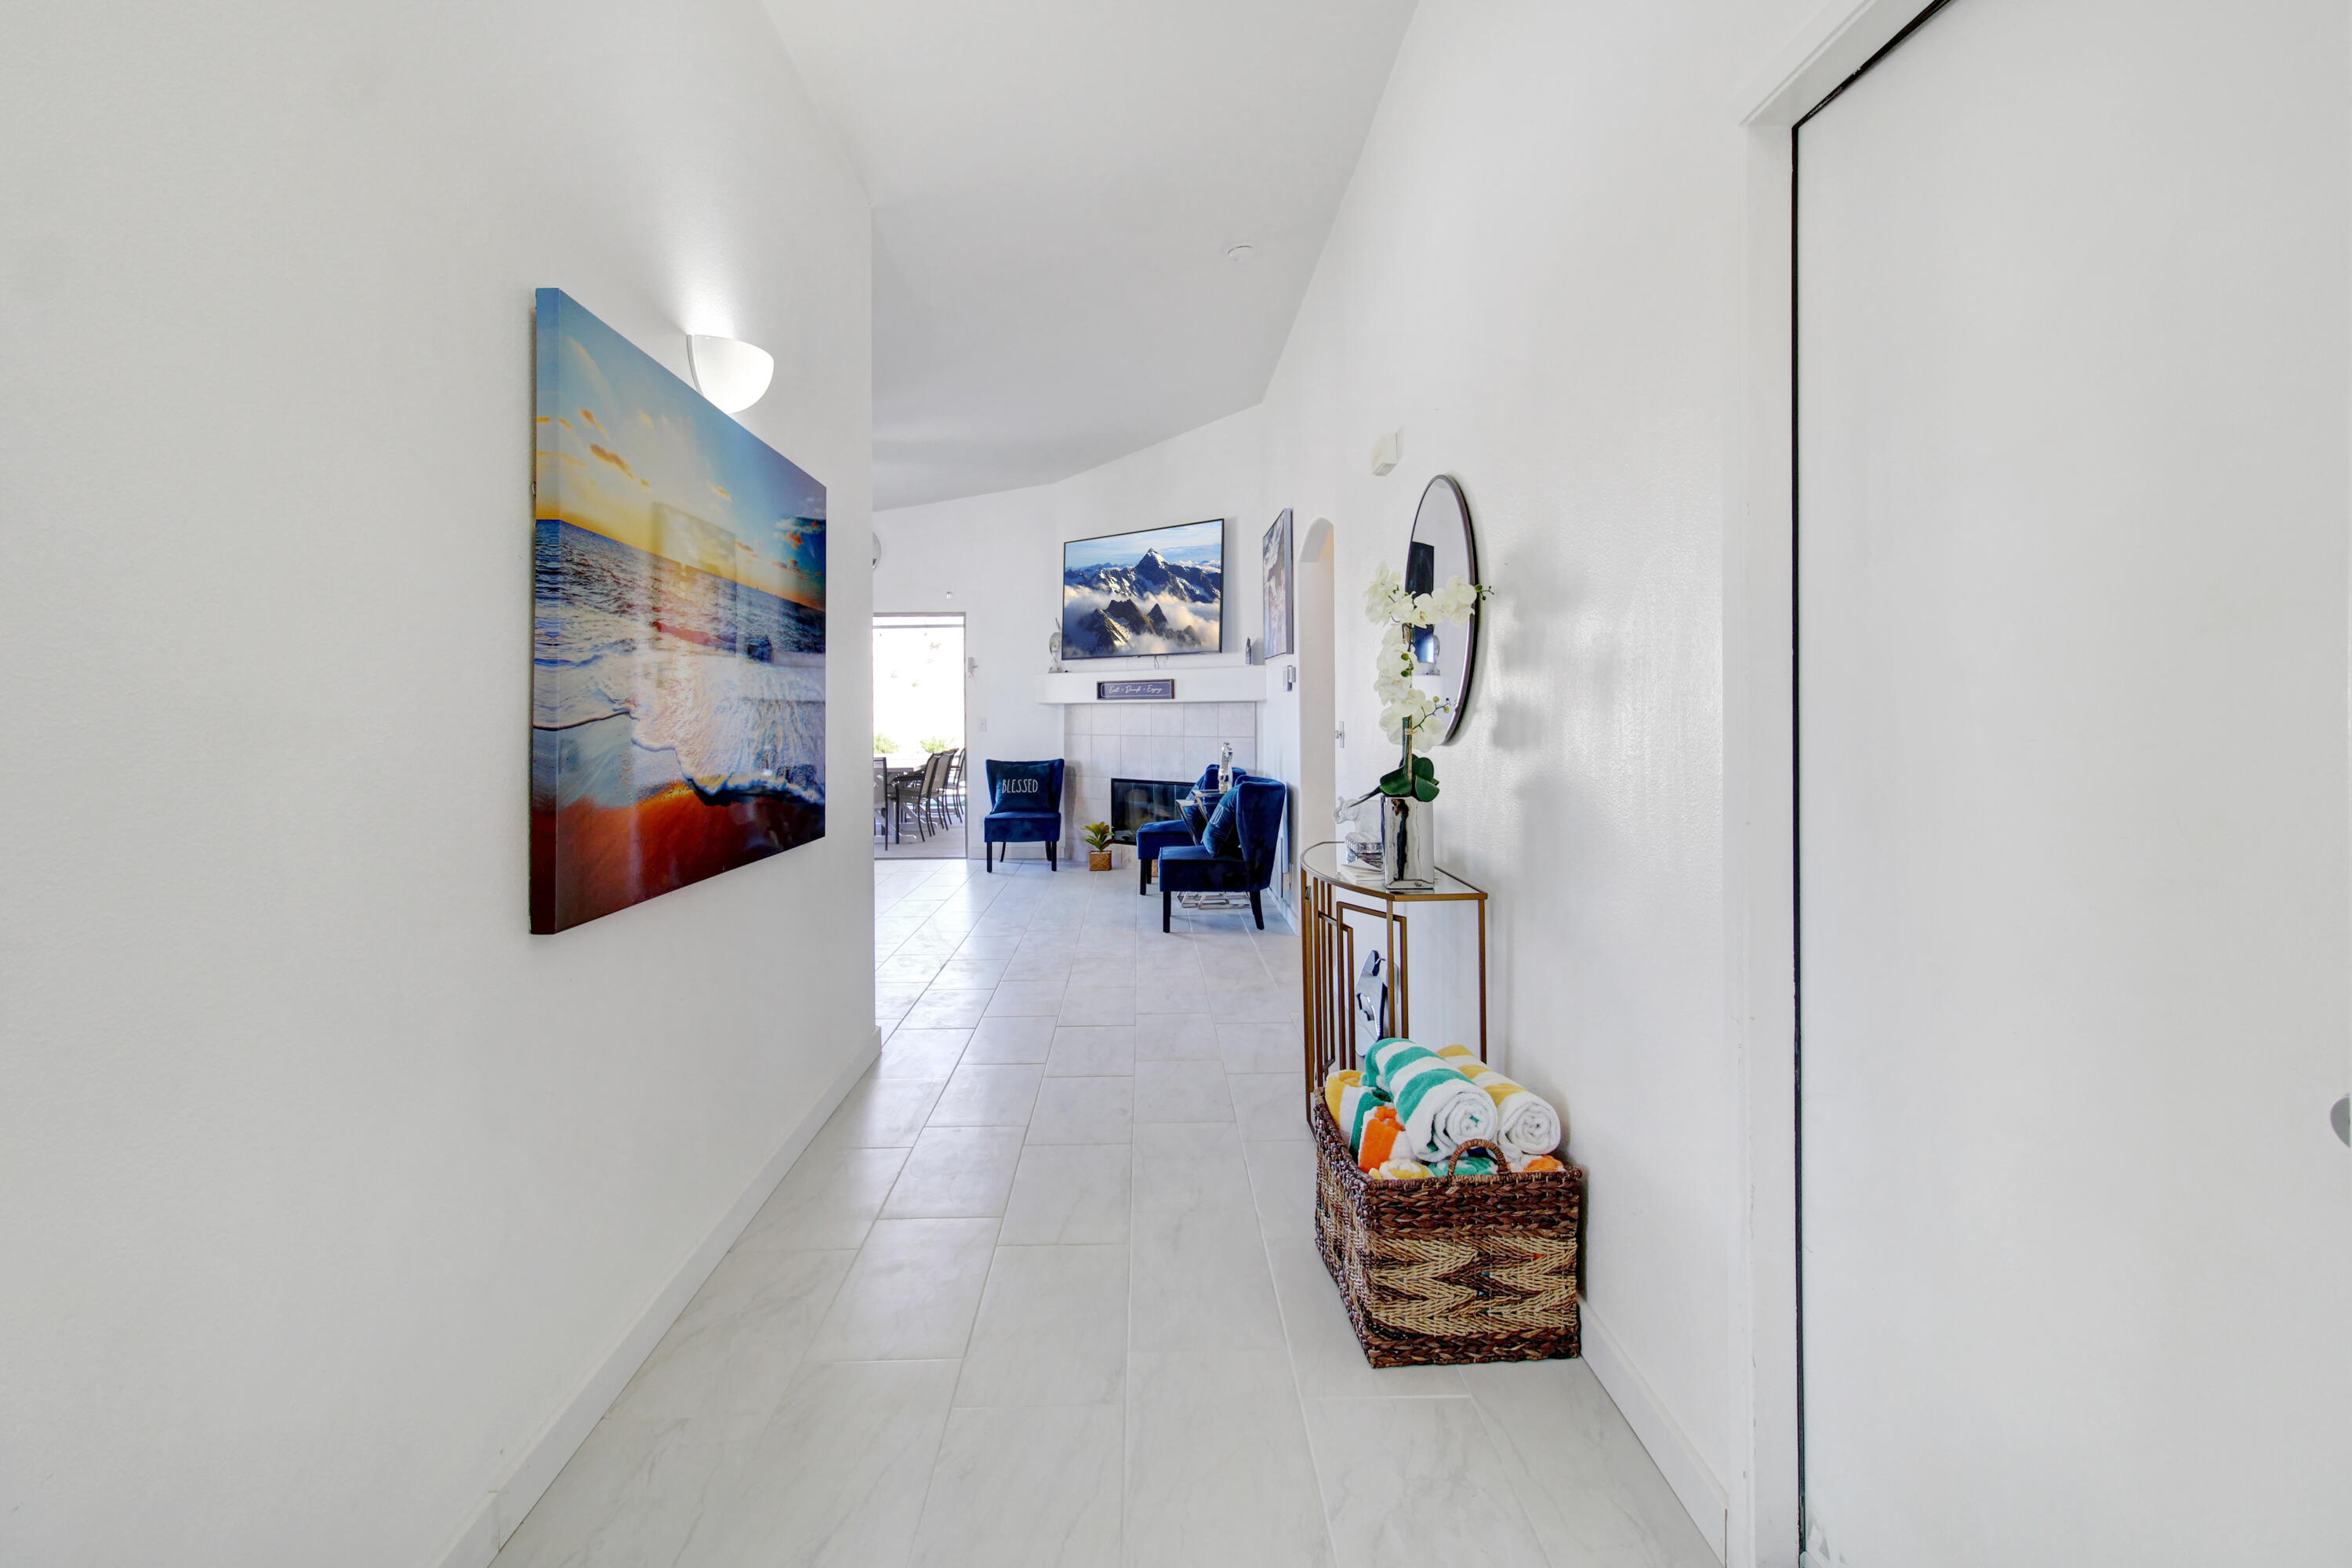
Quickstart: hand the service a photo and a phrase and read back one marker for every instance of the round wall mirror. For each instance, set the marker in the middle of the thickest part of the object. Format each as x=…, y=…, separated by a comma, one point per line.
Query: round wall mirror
x=1443, y=549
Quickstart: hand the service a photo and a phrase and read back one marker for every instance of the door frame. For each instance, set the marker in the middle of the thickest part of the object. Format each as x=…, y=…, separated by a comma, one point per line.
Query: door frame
x=1761, y=650
x=873, y=620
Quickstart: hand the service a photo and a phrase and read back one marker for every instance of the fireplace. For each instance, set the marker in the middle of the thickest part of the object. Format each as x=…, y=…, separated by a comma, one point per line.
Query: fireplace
x=1134, y=802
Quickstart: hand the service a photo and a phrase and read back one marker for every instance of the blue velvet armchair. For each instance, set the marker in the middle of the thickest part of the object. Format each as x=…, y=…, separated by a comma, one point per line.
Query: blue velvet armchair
x=1154, y=836
x=1196, y=868
x=1024, y=802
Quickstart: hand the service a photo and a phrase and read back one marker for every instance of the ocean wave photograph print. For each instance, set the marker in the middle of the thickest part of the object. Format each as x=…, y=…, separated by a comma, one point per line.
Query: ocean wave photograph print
x=678, y=654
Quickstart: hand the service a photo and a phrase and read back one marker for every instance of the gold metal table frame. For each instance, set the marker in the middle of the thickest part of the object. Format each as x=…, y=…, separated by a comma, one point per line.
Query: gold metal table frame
x=1327, y=965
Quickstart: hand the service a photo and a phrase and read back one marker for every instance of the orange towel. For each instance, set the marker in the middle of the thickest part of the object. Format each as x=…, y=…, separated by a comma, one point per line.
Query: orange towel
x=1381, y=1131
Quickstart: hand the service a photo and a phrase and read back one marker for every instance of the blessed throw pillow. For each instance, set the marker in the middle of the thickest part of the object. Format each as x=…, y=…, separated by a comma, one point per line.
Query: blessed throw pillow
x=1225, y=835
x=1024, y=786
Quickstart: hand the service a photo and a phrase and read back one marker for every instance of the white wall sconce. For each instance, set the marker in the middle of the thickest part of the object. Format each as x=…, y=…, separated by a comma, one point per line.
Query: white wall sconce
x=732, y=375
x=1386, y=451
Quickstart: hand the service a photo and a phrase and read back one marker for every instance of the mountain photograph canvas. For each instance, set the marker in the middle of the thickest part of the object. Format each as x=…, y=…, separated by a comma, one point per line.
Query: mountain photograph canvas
x=677, y=633
x=1155, y=591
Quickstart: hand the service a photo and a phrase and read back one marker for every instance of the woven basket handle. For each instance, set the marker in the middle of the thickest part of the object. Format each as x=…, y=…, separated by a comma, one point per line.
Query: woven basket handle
x=1502, y=1161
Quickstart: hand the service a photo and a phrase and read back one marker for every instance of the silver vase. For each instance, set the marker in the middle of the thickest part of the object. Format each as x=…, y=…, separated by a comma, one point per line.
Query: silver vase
x=1408, y=842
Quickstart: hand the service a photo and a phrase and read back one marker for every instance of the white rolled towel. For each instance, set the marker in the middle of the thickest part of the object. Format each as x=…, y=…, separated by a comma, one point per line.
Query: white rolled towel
x=1530, y=1125
x=1440, y=1109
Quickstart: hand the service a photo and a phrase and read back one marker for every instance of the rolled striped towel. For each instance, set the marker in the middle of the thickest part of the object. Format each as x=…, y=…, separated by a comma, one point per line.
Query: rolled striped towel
x=1440, y=1109
x=1338, y=1082
x=1529, y=1124
x=1351, y=1105
x=1383, y=1138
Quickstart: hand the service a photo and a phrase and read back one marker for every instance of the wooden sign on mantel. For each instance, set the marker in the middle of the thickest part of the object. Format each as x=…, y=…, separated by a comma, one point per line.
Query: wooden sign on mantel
x=1136, y=690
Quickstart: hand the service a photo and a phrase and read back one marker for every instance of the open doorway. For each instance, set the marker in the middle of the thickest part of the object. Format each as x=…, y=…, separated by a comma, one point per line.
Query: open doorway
x=918, y=753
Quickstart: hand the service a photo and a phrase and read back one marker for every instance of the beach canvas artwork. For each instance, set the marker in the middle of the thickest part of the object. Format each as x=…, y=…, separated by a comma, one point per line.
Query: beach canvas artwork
x=677, y=678
x=1157, y=589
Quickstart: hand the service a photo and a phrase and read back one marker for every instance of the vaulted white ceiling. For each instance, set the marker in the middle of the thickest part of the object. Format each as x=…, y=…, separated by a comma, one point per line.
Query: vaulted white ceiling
x=1055, y=186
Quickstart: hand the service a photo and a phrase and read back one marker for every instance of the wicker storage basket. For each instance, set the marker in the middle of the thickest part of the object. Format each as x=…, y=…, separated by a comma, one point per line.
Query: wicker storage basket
x=1451, y=1269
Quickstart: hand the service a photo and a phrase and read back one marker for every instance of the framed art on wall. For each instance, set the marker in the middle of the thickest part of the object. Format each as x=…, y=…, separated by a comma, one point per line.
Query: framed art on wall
x=1281, y=624
x=677, y=633
x=1154, y=591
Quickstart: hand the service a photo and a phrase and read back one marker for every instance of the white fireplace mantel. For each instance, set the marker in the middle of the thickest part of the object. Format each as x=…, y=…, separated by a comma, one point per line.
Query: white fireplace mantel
x=1230, y=683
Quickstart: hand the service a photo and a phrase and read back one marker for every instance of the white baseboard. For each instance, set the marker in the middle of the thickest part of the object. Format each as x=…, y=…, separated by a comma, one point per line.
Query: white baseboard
x=500, y=1511
x=1694, y=1482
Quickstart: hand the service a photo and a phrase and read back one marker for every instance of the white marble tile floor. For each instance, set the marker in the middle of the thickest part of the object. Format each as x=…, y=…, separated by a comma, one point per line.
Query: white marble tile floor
x=1044, y=1290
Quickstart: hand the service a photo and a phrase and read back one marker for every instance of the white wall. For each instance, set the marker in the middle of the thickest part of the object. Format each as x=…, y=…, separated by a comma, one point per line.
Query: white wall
x=994, y=558
x=998, y=558
x=324, y=1187
x=1536, y=274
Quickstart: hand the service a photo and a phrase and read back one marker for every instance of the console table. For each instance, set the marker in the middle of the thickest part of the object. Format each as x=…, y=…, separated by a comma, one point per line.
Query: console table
x=1329, y=962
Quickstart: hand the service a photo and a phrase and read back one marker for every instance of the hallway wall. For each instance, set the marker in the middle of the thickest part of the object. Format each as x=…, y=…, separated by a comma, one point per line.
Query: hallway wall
x=1536, y=274
x=326, y=1191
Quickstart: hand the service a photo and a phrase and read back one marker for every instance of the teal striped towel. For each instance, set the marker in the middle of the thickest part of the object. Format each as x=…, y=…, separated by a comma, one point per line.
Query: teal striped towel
x=1357, y=1104
x=1440, y=1109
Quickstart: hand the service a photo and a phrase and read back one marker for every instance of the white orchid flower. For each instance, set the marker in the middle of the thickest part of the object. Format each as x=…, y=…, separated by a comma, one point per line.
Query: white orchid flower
x=1455, y=600
x=1404, y=707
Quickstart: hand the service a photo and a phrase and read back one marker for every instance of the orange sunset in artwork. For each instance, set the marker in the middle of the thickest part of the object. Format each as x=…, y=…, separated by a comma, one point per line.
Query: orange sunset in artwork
x=678, y=659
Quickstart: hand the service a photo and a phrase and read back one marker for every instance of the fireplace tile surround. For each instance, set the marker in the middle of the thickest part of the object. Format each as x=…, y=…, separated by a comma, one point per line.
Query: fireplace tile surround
x=1103, y=741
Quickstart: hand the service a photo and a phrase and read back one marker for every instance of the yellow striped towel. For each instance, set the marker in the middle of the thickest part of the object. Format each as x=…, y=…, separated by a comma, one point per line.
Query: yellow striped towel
x=1334, y=1086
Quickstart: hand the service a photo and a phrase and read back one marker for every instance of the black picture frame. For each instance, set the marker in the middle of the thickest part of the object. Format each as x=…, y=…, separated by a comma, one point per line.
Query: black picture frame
x=1078, y=639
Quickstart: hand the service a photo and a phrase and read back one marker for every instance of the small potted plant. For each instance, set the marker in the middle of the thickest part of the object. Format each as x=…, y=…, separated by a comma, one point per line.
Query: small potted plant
x=1097, y=836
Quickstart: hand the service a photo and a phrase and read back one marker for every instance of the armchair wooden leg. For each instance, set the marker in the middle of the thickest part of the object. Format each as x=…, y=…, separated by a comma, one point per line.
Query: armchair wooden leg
x=1167, y=904
x=1256, y=912
x=990, y=850
x=1142, y=877
x=1050, y=865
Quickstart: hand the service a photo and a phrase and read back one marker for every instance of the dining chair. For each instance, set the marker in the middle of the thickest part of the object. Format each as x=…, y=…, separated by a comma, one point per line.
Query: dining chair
x=906, y=800
x=935, y=781
x=955, y=789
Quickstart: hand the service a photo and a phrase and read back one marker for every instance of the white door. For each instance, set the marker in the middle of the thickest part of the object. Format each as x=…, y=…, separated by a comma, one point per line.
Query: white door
x=2072, y=512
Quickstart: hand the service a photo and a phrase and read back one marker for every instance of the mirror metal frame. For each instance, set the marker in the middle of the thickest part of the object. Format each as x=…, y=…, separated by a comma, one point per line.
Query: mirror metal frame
x=1470, y=551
